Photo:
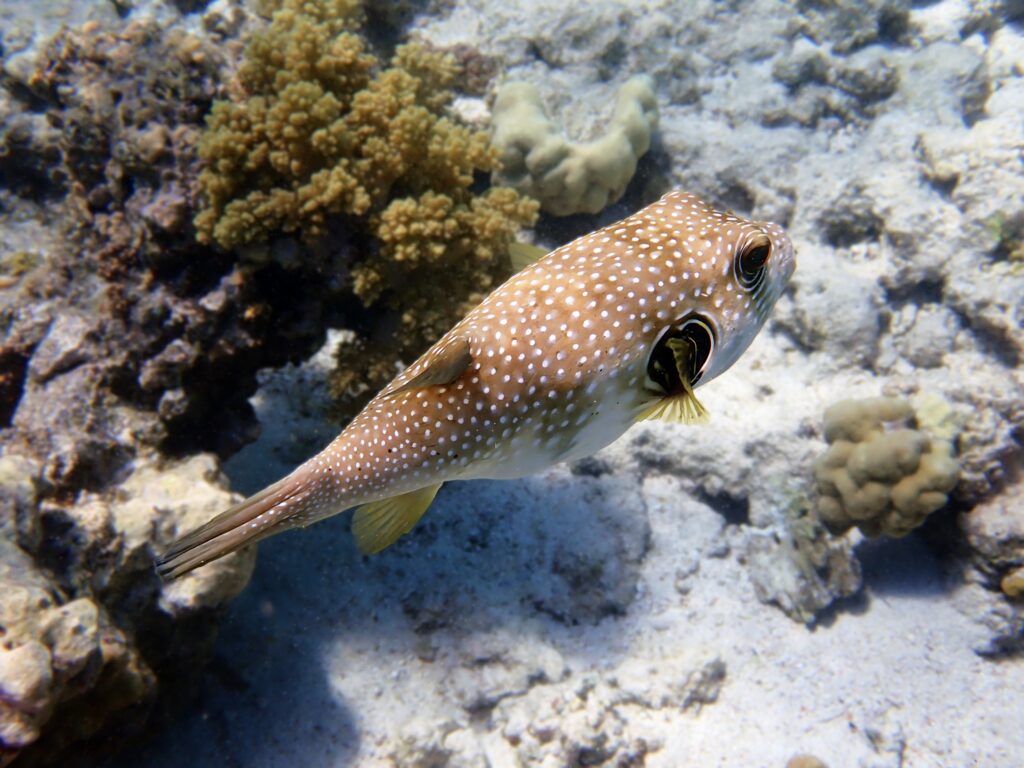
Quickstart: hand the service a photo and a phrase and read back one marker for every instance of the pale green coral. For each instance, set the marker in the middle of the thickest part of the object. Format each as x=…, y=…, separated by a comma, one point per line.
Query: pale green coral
x=570, y=178
x=325, y=133
x=881, y=480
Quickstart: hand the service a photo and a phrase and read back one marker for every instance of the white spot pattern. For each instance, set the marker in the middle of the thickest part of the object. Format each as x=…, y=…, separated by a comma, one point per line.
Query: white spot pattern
x=559, y=358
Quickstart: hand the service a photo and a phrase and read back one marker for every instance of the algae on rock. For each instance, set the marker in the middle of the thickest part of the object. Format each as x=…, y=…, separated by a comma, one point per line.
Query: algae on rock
x=325, y=135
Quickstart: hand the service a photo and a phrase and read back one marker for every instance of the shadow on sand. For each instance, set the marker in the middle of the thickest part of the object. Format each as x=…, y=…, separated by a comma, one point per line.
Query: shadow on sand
x=539, y=555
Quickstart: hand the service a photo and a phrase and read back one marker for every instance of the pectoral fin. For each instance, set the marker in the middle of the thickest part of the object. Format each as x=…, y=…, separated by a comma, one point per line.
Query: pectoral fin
x=378, y=525
x=683, y=407
x=445, y=364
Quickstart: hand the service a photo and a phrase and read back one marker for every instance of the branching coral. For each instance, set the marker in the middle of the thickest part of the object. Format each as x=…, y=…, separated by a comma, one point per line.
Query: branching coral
x=882, y=481
x=326, y=134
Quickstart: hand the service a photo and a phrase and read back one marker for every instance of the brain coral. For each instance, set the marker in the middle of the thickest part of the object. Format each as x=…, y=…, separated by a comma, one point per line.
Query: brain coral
x=325, y=133
x=884, y=481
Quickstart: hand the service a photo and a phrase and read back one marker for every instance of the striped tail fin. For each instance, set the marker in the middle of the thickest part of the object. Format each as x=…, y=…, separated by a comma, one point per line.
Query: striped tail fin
x=272, y=510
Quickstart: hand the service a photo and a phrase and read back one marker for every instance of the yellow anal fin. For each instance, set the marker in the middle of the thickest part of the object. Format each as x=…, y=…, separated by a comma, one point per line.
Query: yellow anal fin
x=380, y=524
x=523, y=255
x=445, y=363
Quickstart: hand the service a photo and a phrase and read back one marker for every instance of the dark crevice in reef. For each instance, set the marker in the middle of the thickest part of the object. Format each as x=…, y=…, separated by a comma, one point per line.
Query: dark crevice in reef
x=852, y=224
x=734, y=510
x=12, y=381
x=918, y=294
x=992, y=340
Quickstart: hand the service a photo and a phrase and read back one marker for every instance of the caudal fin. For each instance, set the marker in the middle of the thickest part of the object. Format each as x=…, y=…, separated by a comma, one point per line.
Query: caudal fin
x=270, y=511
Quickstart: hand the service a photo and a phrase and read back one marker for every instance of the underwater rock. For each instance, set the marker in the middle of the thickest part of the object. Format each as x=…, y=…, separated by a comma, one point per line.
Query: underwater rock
x=126, y=301
x=116, y=311
x=495, y=668
x=848, y=25
x=595, y=720
x=921, y=334
x=117, y=318
x=85, y=619
x=994, y=531
x=802, y=570
x=839, y=318
x=596, y=723
x=86, y=622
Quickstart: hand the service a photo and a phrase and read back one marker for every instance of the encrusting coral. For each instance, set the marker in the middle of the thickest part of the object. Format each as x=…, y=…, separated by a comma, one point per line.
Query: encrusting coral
x=883, y=481
x=325, y=134
x=570, y=178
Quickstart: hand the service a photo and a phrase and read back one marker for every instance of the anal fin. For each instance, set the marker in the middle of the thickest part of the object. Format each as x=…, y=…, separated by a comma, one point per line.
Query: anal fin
x=380, y=524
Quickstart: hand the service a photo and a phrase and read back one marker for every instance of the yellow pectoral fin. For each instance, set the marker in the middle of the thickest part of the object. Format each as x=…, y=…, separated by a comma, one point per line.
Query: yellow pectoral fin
x=380, y=524
x=523, y=255
x=680, y=409
x=684, y=407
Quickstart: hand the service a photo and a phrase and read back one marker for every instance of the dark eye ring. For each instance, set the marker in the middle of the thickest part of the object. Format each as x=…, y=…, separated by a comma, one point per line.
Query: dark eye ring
x=751, y=261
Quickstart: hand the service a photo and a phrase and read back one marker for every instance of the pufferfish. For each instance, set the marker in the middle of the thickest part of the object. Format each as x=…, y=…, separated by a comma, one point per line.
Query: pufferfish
x=615, y=327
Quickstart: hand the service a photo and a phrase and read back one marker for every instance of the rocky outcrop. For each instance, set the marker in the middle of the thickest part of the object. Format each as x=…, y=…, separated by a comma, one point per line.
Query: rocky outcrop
x=85, y=622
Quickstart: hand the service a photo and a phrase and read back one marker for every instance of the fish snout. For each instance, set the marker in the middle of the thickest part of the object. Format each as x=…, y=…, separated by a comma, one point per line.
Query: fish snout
x=784, y=263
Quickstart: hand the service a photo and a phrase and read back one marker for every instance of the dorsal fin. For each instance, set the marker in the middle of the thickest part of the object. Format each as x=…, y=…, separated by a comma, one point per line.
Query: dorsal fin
x=380, y=524
x=447, y=363
x=523, y=255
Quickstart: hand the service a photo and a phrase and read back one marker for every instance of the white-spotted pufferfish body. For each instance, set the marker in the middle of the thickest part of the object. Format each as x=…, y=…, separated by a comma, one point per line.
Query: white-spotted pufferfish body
x=555, y=364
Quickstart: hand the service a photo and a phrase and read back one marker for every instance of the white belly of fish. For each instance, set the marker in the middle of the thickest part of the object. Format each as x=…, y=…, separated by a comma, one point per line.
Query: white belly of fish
x=601, y=419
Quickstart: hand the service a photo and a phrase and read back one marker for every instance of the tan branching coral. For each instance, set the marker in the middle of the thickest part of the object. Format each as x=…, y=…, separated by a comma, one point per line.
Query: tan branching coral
x=325, y=132
x=883, y=481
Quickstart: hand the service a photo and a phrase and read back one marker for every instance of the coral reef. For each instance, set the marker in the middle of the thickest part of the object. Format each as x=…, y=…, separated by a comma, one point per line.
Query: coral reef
x=171, y=328
x=324, y=134
x=885, y=482
x=567, y=177
x=86, y=623
x=994, y=532
x=122, y=338
x=538, y=625
x=805, y=570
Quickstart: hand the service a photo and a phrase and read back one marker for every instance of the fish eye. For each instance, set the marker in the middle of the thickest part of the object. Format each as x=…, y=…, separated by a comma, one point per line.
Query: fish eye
x=751, y=260
x=684, y=349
